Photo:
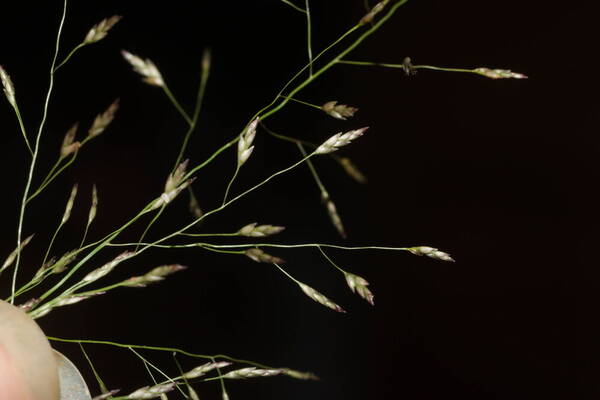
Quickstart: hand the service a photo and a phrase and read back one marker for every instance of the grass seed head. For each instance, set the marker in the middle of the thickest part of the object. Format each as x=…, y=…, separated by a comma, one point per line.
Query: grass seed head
x=152, y=392
x=194, y=207
x=69, y=145
x=146, y=68
x=499, y=73
x=336, y=220
x=69, y=206
x=74, y=298
x=104, y=119
x=258, y=255
x=107, y=268
x=94, y=206
x=100, y=30
x=377, y=8
x=339, y=140
x=252, y=230
x=359, y=285
x=299, y=374
x=29, y=304
x=251, y=372
x=431, y=252
x=107, y=395
x=339, y=111
x=156, y=275
x=320, y=298
x=176, y=177
x=245, y=147
x=352, y=170
x=11, y=257
x=9, y=88
x=203, y=369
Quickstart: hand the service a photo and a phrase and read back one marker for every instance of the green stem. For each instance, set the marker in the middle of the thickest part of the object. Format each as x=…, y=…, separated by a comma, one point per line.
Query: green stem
x=52, y=242
x=157, y=348
x=35, y=152
x=22, y=127
x=235, y=174
x=403, y=67
x=80, y=45
x=303, y=102
x=154, y=219
x=286, y=274
x=309, y=38
x=295, y=7
x=176, y=104
x=330, y=260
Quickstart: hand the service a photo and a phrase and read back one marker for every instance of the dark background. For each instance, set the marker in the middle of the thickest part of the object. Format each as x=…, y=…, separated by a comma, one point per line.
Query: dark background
x=501, y=174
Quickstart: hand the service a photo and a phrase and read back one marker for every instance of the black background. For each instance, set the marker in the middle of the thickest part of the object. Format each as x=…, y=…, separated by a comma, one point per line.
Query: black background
x=501, y=174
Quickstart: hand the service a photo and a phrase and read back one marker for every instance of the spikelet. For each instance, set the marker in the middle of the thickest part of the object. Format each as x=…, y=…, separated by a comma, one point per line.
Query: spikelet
x=104, y=119
x=9, y=88
x=106, y=268
x=176, y=177
x=69, y=206
x=431, y=252
x=224, y=394
x=152, y=392
x=339, y=111
x=100, y=30
x=69, y=145
x=106, y=395
x=358, y=285
x=258, y=255
x=146, y=68
x=245, y=147
x=352, y=170
x=156, y=275
x=74, y=298
x=499, y=73
x=30, y=304
x=377, y=8
x=11, y=257
x=336, y=220
x=338, y=140
x=251, y=372
x=192, y=393
x=94, y=206
x=194, y=207
x=320, y=298
x=299, y=374
x=203, y=369
x=252, y=230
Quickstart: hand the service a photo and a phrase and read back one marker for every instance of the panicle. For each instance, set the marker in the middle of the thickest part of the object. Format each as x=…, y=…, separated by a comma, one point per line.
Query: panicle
x=254, y=230
x=74, y=298
x=146, y=68
x=176, y=177
x=94, y=206
x=338, y=140
x=29, y=304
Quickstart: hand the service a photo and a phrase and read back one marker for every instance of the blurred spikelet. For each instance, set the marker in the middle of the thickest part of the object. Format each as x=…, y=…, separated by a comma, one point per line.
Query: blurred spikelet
x=104, y=119
x=146, y=68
